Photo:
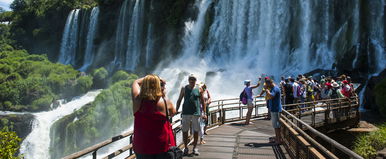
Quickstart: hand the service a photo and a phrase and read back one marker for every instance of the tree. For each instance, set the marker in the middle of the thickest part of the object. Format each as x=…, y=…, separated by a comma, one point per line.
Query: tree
x=9, y=144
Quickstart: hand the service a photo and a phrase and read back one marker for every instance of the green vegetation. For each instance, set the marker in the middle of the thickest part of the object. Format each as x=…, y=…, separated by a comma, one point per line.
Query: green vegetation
x=31, y=82
x=107, y=116
x=42, y=21
x=100, y=77
x=367, y=145
x=380, y=96
x=9, y=144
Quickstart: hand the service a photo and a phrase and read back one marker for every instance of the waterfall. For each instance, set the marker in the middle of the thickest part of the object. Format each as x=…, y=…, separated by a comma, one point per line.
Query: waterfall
x=120, y=34
x=305, y=35
x=133, y=44
x=149, y=45
x=92, y=29
x=69, y=39
x=377, y=34
x=36, y=144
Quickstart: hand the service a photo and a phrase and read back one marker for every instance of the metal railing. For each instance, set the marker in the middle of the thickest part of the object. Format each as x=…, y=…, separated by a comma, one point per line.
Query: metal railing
x=231, y=110
x=299, y=137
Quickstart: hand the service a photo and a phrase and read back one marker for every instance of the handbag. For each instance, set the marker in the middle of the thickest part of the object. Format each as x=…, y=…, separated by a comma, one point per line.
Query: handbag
x=174, y=152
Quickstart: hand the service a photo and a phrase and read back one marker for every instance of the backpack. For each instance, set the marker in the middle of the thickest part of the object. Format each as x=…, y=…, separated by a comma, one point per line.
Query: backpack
x=244, y=97
x=288, y=90
x=299, y=91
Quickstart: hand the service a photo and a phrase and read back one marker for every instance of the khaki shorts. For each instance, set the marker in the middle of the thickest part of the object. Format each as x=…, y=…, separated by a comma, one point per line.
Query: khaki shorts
x=190, y=120
x=250, y=103
x=275, y=116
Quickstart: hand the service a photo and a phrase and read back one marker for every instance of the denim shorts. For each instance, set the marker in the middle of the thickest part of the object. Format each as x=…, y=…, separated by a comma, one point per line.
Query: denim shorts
x=275, y=116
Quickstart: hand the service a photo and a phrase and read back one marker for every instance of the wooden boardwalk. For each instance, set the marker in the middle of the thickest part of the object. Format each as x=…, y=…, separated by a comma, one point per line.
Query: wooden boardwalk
x=239, y=141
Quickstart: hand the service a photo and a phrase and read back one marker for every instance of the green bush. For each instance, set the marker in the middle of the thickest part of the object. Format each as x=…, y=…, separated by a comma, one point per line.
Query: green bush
x=100, y=77
x=367, y=145
x=9, y=144
x=42, y=103
x=84, y=83
x=380, y=96
x=31, y=82
x=119, y=75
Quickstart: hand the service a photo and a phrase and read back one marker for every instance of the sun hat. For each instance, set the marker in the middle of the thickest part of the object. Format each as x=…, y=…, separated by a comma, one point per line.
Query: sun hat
x=247, y=81
x=192, y=76
x=335, y=85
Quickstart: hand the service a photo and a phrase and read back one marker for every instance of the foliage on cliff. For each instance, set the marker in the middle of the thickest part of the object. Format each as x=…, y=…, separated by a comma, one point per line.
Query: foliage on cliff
x=107, y=116
x=367, y=145
x=42, y=21
x=9, y=144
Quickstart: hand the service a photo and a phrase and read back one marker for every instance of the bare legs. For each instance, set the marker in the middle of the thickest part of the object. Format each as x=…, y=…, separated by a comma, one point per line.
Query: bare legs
x=185, y=137
x=249, y=114
x=278, y=136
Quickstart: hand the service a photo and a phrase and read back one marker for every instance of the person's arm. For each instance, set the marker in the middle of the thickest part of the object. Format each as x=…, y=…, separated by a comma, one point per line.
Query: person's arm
x=258, y=84
x=182, y=94
x=274, y=92
x=262, y=92
x=171, y=108
x=135, y=91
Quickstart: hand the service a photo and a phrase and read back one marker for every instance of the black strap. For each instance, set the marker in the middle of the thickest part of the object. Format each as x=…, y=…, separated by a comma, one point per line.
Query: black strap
x=167, y=111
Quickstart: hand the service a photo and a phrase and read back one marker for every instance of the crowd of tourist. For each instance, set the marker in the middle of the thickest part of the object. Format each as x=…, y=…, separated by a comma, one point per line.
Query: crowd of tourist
x=153, y=110
x=307, y=89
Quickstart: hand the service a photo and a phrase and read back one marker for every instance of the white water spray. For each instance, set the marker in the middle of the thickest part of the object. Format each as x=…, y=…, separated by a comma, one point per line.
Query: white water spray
x=36, y=144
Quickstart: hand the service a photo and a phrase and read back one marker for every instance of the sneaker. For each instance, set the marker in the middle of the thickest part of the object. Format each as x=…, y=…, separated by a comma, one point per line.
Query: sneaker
x=195, y=151
x=186, y=152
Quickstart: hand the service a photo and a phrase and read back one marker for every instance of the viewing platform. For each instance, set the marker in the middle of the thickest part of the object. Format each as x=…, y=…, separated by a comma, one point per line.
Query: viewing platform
x=302, y=128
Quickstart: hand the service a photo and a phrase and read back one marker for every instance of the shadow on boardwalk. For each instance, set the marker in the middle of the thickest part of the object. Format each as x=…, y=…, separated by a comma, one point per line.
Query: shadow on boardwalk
x=239, y=141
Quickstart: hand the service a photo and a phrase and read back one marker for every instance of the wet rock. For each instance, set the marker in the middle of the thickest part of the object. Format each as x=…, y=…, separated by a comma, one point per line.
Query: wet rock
x=369, y=96
x=21, y=124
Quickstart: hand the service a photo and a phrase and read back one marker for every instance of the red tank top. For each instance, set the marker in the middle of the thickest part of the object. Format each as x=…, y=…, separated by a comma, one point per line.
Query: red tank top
x=152, y=131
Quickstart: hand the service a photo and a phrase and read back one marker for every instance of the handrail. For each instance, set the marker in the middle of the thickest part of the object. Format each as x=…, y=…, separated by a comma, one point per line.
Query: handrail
x=98, y=146
x=322, y=136
x=218, y=117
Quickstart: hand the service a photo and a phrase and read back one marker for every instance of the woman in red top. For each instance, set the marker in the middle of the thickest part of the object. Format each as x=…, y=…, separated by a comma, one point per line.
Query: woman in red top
x=152, y=130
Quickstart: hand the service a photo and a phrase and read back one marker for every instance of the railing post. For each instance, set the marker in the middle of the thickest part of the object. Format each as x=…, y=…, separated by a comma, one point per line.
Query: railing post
x=256, y=108
x=220, y=113
x=131, y=142
x=240, y=111
x=94, y=154
x=327, y=113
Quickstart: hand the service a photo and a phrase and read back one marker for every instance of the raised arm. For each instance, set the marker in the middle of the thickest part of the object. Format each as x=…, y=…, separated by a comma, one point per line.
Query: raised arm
x=182, y=94
x=135, y=91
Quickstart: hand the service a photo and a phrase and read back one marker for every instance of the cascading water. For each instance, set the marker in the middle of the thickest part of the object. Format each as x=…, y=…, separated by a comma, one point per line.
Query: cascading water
x=70, y=39
x=92, y=29
x=377, y=34
x=133, y=45
x=36, y=144
x=149, y=45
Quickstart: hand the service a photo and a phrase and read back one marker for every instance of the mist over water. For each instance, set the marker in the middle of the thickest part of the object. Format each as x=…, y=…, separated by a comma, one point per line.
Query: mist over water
x=36, y=144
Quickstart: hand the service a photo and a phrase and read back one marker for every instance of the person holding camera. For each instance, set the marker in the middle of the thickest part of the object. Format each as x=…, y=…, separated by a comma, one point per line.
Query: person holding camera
x=151, y=125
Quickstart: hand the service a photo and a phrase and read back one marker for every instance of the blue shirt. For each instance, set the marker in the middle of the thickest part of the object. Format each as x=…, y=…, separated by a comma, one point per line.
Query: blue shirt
x=248, y=90
x=274, y=104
